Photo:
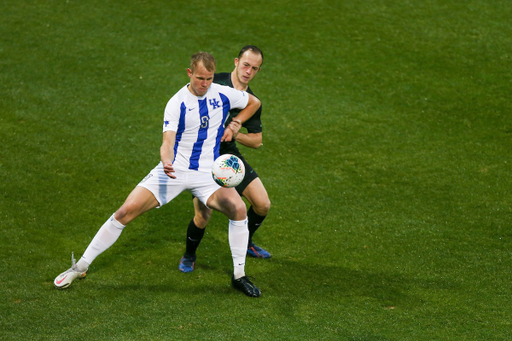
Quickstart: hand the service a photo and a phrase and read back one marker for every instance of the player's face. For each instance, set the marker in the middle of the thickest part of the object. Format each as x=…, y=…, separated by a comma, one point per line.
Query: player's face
x=200, y=80
x=247, y=67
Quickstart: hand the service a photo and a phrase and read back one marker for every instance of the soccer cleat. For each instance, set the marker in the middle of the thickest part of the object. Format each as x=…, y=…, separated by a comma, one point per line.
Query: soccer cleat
x=65, y=279
x=257, y=252
x=245, y=285
x=187, y=263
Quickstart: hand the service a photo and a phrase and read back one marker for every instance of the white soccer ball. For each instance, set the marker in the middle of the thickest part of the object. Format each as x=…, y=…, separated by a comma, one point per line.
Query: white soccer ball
x=228, y=170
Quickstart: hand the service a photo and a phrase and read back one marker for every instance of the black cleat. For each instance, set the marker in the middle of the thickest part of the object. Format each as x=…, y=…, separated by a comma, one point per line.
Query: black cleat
x=245, y=285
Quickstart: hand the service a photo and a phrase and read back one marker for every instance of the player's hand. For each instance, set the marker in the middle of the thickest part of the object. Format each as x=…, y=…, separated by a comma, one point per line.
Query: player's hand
x=228, y=135
x=169, y=170
x=231, y=131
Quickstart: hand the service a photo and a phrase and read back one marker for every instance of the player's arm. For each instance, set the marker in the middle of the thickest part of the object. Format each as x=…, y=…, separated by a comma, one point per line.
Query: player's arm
x=167, y=152
x=232, y=129
x=251, y=140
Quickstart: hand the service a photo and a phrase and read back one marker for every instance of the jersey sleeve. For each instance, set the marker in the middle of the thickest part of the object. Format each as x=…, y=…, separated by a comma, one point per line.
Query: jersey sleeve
x=172, y=115
x=237, y=98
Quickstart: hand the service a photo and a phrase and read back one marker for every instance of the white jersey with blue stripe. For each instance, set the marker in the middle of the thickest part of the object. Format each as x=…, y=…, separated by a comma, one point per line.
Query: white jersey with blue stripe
x=199, y=124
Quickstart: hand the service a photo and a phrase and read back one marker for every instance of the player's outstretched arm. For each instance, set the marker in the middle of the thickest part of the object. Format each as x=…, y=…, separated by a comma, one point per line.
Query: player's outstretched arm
x=167, y=152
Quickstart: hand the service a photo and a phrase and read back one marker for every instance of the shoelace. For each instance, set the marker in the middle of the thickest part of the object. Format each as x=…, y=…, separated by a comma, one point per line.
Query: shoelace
x=73, y=264
x=247, y=278
x=73, y=261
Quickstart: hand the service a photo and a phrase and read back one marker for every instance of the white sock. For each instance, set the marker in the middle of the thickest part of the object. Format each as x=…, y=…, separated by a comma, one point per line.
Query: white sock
x=104, y=238
x=238, y=239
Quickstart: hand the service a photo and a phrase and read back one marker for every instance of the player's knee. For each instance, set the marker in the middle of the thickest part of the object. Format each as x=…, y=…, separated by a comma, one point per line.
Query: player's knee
x=240, y=209
x=235, y=209
x=121, y=214
x=262, y=207
x=127, y=212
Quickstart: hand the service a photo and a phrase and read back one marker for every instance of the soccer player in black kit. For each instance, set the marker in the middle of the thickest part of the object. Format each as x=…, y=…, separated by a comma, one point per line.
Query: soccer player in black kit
x=247, y=65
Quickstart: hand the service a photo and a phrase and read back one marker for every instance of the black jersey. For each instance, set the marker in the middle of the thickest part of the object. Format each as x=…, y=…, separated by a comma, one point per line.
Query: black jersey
x=253, y=124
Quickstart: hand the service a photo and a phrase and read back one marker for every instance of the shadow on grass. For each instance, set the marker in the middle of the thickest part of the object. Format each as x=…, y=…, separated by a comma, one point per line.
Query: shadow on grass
x=164, y=281
x=296, y=279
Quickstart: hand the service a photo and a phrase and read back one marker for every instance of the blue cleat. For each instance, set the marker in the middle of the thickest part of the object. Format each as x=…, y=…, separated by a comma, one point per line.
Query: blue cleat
x=257, y=252
x=187, y=263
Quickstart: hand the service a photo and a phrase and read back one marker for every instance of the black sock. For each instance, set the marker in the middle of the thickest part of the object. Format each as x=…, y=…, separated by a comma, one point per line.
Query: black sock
x=194, y=236
x=254, y=221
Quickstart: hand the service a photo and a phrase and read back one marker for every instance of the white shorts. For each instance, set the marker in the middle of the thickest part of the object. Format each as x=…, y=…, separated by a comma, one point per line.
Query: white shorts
x=165, y=189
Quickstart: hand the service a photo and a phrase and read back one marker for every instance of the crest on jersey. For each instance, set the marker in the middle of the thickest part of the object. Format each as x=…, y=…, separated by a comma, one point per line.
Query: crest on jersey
x=214, y=103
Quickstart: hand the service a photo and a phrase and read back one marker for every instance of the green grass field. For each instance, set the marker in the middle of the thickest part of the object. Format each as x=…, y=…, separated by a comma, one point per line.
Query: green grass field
x=387, y=156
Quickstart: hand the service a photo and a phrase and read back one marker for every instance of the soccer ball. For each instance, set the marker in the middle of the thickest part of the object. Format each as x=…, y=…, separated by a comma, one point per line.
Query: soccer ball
x=228, y=170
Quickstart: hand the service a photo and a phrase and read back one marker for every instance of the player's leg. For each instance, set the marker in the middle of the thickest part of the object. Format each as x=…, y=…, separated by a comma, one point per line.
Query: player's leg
x=195, y=233
x=202, y=214
x=257, y=196
x=154, y=190
x=139, y=201
x=227, y=201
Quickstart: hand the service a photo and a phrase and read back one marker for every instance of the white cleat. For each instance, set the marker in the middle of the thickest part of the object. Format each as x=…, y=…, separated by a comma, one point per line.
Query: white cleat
x=65, y=279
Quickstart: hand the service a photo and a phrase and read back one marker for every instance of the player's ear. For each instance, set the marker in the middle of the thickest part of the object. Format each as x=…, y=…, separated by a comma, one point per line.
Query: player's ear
x=189, y=72
x=236, y=61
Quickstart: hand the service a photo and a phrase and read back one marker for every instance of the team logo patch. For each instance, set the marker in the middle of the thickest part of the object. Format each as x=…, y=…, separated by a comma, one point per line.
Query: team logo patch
x=214, y=103
x=147, y=178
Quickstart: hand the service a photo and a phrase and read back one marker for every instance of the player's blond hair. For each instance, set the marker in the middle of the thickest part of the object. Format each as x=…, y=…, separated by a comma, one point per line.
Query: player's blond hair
x=203, y=57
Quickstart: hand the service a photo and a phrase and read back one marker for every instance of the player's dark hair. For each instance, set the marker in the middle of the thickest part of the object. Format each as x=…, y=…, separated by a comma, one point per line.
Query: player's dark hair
x=252, y=48
x=207, y=59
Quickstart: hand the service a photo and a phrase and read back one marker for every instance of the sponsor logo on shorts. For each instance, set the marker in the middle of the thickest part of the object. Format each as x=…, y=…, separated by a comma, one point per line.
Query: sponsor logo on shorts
x=147, y=177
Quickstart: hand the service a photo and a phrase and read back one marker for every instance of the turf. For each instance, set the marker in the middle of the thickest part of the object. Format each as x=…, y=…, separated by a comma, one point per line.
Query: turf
x=387, y=158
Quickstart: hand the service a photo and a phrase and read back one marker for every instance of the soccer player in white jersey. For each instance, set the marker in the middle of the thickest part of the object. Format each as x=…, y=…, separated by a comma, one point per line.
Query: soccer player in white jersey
x=247, y=66
x=192, y=132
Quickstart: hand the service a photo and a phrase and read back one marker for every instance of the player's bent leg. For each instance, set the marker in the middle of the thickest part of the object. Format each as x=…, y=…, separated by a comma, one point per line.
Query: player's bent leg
x=257, y=195
x=139, y=201
x=228, y=202
x=195, y=233
x=202, y=214
x=238, y=237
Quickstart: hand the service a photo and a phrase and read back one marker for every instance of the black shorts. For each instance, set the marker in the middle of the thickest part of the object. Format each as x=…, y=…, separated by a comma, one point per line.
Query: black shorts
x=250, y=175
